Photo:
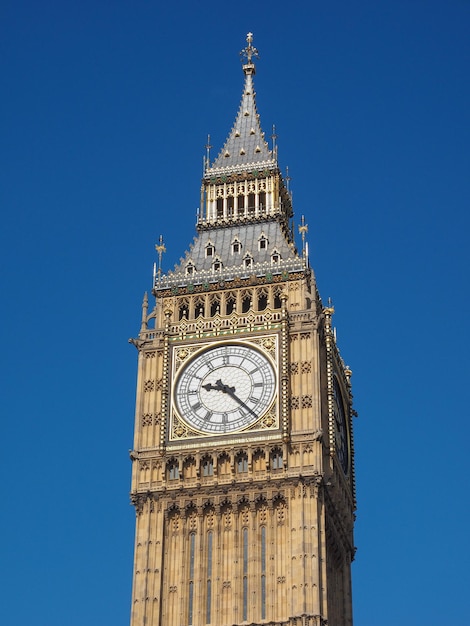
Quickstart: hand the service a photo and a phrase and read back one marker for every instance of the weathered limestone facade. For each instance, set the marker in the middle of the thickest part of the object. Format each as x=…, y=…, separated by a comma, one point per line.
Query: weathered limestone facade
x=249, y=525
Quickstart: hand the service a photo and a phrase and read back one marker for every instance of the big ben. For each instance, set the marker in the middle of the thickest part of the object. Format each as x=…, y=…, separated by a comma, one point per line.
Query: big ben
x=243, y=460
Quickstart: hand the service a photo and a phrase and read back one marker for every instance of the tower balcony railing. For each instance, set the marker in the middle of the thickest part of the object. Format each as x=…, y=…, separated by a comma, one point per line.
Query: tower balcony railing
x=267, y=269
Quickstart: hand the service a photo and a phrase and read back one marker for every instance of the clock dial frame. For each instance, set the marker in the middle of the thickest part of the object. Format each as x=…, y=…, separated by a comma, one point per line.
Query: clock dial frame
x=340, y=426
x=224, y=388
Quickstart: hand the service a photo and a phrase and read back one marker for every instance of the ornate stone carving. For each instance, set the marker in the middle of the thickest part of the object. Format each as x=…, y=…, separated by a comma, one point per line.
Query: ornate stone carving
x=149, y=385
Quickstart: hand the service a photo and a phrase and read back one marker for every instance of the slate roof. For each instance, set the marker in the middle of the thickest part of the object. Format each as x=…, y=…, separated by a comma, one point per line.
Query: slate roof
x=245, y=144
x=248, y=235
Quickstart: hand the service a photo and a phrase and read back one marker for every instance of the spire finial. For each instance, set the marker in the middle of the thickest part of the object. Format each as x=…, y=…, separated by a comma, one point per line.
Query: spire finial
x=160, y=248
x=249, y=52
x=208, y=152
x=303, y=230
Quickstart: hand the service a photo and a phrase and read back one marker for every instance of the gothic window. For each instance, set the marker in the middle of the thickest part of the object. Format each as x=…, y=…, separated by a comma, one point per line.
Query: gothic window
x=199, y=306
x=209, y=250
x=246, y=302
x=275, y=257
x=223, y=464
x=209, y=577
x=262, y=299
x=192, y=551
x=189, y=468
x=236, y=246
x=215, y=306
x=183, y=310
x=242, y=463
x=230, y=303
x=259, y=461
x=241, y=203
x=173, y=471
x=217, y=265
x=277, y=299
x=262, y=202
x=220, y=207
x=263, y=572
x=245, y=574
x=207, y=466
x=262, y=243
x=230, y=206
x=276, y=459
x=251, y=203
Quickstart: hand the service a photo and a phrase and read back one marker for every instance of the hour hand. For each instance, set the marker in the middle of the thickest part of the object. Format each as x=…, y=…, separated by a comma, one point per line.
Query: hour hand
x=209, y=386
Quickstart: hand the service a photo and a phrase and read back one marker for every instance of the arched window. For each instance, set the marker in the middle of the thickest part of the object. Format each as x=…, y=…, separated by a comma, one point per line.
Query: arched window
x=246, y=302
x=199, y=306
x=242, y=463
x=277, y=299
x=223, y=464
x=262, y=202
x=230, y=206
x=183, y=310
x=276, y=459
x=263, y=572
x=192, y=551
x=216, y=264
x=209, y=577
x=236, y=246
x=245, y=574
x=262, y=299
x=173, y=471
x=220, y=207
x=259, y=461
x=230, y=303
x=207, y=466
x=275, y=257
x=251, y=203
x=262, y=243
x=215, y=306
x=189, y=468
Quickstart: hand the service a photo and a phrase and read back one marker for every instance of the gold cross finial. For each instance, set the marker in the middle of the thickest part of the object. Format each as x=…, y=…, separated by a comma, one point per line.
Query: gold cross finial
x=249, y=52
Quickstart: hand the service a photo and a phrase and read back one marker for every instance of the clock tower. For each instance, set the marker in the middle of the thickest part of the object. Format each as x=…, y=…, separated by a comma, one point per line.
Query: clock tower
x=243, y=464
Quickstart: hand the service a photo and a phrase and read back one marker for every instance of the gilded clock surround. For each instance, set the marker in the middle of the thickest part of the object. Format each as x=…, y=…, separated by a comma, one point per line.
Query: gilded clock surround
x=268, y=418
x=253, y=525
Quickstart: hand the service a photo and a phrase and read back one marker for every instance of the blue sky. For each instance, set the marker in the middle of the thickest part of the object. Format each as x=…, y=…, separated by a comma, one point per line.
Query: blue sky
x=105, y=110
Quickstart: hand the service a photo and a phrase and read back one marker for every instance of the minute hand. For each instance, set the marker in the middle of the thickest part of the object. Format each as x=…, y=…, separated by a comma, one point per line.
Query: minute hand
x=231, y=393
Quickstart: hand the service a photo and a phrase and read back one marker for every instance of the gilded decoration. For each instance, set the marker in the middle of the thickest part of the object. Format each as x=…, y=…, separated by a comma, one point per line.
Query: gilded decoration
x=182, y=355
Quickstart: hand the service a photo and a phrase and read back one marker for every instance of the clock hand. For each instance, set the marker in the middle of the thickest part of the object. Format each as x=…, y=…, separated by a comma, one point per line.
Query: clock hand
x=231, y=393
x=219, y=386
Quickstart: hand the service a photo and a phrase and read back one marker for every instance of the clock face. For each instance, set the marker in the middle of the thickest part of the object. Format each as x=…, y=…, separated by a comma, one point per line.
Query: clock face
x=225, y=389
x=341, y=432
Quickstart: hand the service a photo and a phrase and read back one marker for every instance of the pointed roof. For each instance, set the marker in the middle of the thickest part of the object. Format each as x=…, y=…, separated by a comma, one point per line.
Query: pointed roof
x=245, y=144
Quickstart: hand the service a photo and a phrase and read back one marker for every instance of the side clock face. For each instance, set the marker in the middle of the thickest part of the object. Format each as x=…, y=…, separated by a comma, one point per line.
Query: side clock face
x=341, y=430
x=225, y=389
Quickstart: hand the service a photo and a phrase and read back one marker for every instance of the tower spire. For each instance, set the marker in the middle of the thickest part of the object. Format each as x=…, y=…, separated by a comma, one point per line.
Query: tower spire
x=246, y=144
